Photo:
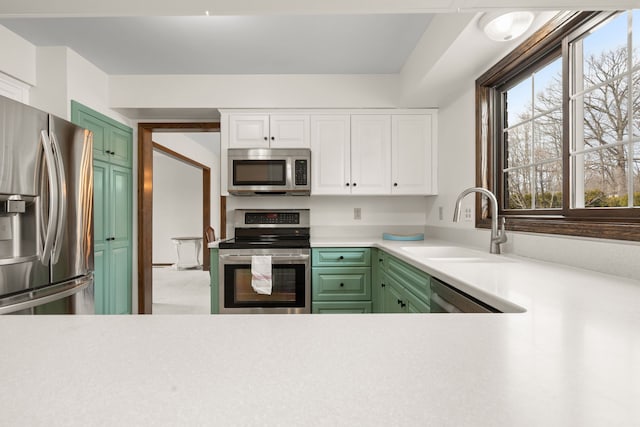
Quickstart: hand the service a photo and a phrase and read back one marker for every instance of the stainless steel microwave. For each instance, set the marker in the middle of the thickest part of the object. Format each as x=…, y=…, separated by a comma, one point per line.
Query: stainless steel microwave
x=262, y=171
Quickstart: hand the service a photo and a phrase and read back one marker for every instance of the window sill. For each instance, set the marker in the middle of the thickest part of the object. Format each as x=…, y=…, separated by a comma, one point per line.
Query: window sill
x=615, y=230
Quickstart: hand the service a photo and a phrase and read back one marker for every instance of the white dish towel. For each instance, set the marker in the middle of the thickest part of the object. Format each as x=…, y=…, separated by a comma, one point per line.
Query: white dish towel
x=261, y=274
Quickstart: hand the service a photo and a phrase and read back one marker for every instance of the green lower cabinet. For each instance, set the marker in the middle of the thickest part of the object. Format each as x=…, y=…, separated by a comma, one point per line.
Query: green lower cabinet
x=341, y=280
x=365, y=280
x=399, y=287
x=215, y=286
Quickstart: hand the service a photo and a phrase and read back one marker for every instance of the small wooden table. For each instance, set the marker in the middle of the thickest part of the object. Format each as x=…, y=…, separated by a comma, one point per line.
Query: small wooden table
x=189, y=263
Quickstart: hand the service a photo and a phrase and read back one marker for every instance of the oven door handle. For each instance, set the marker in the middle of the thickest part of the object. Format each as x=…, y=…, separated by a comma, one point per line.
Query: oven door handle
x=274, y=258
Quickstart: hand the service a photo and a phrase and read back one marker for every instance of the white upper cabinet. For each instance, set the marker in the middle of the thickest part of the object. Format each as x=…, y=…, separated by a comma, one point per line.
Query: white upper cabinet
x=411, y=154
x=289, y=131
x=268, y=130
x=249, y=131
x=331, y=154
x=370, y=154
x=353, y=152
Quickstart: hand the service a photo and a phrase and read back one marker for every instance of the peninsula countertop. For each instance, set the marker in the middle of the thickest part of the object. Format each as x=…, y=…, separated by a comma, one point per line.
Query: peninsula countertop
x=570, y=357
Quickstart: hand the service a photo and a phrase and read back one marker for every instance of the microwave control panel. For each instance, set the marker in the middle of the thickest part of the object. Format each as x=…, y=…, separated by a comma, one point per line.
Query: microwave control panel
x=301, y=172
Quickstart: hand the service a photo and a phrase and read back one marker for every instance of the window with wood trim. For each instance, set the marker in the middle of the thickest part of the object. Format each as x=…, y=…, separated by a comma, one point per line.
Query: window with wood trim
x=558, y=128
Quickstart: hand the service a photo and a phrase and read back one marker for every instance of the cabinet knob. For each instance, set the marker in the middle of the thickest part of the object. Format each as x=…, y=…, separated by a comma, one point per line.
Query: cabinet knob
x=273, y=138
x=354, y=184
x=342, y=285
x=340, y=257
x=347, y=184
x=382, y=285
x=266, y=139
x=403, y=305
x=395, y=184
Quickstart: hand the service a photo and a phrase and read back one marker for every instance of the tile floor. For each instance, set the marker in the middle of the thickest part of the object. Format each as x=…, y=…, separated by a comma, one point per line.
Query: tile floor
x=180, y=291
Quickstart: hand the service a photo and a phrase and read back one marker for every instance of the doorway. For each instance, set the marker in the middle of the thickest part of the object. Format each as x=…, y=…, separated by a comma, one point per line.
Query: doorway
x=145, y=203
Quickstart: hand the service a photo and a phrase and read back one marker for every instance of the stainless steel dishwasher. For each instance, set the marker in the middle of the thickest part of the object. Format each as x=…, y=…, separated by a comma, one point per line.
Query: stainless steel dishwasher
x=447, y=299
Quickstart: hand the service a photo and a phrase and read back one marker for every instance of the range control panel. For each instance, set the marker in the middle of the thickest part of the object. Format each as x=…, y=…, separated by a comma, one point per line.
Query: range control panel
x=291, y=218
x=271, y=218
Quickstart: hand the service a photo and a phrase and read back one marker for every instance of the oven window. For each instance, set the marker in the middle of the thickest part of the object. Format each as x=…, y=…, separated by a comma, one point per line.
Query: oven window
x=288, y=287
x=259, y=172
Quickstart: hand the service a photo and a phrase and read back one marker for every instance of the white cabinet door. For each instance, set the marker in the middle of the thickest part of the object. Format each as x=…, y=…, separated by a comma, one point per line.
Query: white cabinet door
x=411, y=148
x=370, y=154
x=248, y=131
x=289, y=131
x=330, y=154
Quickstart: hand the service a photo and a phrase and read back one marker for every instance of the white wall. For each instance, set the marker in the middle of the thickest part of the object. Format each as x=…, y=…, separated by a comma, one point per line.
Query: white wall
x=18, y=58
x=177, y=205
x=457, y=172
x=332, y=216
x=254, y=91
x=50, y=93
x=203, y=147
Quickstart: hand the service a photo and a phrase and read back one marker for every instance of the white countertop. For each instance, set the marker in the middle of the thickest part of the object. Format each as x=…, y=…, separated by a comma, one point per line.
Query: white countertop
x=571, y=359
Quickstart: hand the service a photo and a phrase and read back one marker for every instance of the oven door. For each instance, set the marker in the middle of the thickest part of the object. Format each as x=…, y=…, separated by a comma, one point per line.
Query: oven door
x=291, y=282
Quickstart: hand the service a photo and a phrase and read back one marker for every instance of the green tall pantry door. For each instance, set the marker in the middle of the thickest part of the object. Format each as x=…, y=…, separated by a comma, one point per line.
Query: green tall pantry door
x=112, y=176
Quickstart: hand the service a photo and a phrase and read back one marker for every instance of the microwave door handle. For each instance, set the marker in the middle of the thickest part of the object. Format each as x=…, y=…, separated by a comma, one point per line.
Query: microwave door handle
x=62, y=198
x=50, y=229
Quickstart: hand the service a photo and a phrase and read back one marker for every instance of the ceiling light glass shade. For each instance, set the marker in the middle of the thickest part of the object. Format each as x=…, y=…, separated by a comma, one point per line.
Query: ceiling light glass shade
x=505, y=26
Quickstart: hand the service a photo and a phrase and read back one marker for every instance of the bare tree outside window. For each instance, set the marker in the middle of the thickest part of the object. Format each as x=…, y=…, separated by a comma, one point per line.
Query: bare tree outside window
x=605, y=109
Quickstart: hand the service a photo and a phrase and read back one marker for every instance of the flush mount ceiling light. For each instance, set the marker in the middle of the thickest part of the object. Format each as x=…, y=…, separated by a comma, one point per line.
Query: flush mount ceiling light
x=505, y=26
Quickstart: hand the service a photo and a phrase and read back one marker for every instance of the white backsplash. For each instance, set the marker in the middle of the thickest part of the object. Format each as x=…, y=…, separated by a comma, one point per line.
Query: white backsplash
x=334, y=215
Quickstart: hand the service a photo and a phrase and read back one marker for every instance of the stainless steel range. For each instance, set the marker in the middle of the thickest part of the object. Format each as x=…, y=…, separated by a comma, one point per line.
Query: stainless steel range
x=281, y=237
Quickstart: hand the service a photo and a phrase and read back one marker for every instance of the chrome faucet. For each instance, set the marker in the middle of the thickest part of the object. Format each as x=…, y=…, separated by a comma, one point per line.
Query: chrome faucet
x=498, y=236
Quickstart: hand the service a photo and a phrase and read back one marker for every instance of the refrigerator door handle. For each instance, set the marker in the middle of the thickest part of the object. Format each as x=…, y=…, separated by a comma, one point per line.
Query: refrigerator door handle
x=62, y=199
x=54, y=193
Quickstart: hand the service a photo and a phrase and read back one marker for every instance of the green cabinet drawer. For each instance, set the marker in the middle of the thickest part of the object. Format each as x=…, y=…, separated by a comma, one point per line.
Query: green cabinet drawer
x=409, y=277
x=341, y=284
x=341, y=307
x=341, y=257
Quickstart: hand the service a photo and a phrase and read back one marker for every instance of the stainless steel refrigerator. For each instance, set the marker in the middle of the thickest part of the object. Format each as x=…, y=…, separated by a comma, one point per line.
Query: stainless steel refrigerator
x=46, y=213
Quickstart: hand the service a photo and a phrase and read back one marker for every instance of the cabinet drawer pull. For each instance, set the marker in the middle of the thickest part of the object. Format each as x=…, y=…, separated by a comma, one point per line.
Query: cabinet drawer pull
x=382, y=285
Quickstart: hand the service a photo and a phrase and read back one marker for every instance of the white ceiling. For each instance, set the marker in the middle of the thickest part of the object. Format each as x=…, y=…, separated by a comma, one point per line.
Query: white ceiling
x=307, y=44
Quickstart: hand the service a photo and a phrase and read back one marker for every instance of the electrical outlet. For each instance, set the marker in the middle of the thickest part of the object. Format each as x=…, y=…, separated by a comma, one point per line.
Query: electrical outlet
x=440, y=213
x=357, y=213
x=467, y=214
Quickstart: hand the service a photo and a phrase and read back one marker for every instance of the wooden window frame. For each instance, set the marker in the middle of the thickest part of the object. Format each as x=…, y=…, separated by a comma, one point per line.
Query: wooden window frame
x=619, y=223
